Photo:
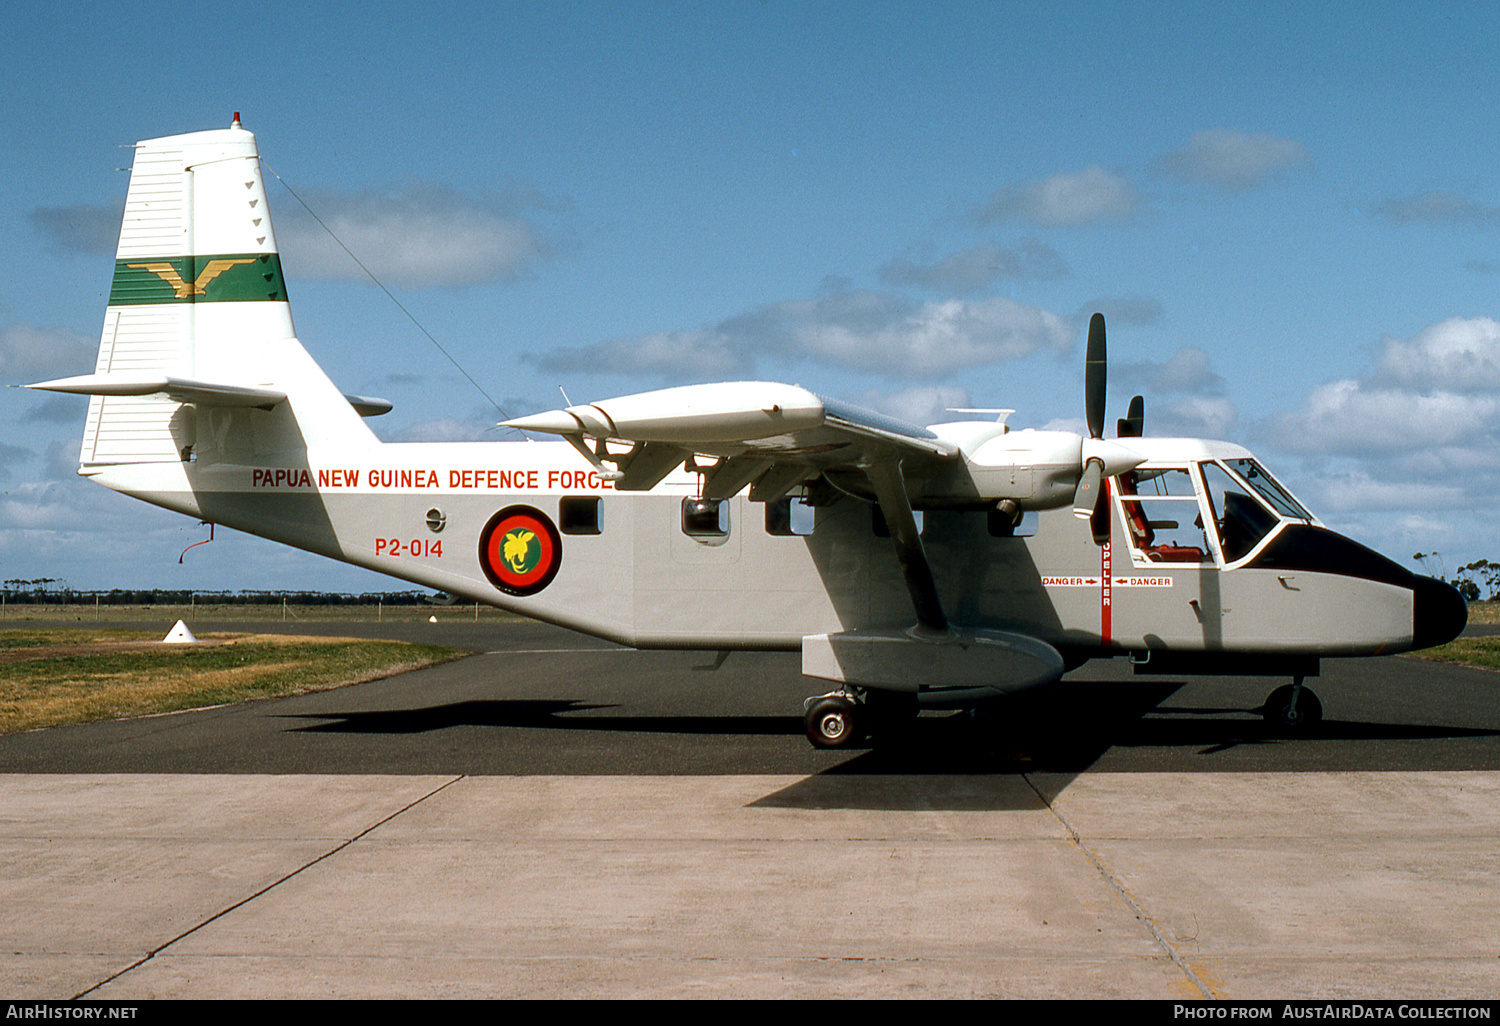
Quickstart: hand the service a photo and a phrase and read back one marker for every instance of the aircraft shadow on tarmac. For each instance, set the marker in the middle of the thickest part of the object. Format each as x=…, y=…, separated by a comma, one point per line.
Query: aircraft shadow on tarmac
x=1058, y=732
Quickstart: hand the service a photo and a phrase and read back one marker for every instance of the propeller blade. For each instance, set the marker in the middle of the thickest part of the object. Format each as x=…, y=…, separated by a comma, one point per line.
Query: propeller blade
x=1090, y=489
x=1133, y=424
x=1095, y=372
x=1099, y=521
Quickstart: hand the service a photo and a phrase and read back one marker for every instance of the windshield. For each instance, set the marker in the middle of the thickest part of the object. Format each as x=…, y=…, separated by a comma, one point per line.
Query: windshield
x=1276, y=496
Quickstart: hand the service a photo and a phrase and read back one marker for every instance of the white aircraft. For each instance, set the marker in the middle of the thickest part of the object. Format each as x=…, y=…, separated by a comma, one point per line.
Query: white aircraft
x=910, y=566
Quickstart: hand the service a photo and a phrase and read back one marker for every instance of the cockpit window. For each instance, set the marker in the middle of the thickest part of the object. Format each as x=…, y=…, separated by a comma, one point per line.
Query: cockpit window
x=1161, y=516
x=1280, y=499
x=1241, y=519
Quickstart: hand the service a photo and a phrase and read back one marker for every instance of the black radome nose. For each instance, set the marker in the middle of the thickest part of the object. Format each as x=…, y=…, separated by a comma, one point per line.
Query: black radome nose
x=1438, y=612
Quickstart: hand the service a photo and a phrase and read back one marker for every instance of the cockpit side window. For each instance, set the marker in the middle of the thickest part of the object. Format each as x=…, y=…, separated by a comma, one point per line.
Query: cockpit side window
x=1159, y=508
x=1241, y=519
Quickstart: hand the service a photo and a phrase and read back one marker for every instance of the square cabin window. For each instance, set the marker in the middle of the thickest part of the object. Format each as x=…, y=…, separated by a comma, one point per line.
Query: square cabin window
x=580, y=514
x=705, y=518
x=789, y=517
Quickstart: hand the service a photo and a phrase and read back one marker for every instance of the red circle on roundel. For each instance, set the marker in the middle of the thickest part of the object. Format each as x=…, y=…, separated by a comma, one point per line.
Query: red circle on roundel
x=520, y=550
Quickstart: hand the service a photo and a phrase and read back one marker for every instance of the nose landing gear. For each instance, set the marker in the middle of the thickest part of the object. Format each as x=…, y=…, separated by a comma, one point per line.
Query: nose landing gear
x=1292, y=708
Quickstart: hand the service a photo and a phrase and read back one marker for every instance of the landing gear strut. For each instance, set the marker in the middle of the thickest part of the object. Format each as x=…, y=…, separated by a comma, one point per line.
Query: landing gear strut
x=1292, y=708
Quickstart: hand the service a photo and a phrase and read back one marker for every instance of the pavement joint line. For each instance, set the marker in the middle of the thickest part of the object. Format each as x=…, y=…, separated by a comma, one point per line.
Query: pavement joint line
x=268, y=887
x=1119, y=888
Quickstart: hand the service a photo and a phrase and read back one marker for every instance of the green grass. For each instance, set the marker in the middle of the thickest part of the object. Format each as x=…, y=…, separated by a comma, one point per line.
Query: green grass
x=1483, y=653
x=252, y=612
x=53, y=677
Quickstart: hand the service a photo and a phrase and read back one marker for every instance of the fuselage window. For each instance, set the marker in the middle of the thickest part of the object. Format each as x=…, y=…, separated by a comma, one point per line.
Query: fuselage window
x=705, y=518
x=788, y=517
x=1242, y=521
x=580, y=514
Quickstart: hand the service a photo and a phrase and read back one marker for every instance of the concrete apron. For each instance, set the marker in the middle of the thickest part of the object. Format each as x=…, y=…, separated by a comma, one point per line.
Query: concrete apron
x=1178, y=886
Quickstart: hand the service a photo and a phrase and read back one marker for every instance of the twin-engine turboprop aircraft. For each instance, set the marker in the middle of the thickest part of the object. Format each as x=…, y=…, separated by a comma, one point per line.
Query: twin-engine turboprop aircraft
x=938, y=566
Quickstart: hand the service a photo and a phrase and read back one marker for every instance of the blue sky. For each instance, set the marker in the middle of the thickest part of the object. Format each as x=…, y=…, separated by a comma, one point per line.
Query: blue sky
x=1289, y=214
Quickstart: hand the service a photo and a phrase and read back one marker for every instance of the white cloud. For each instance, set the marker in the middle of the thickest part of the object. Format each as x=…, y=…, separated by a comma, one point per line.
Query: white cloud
x=419, y=235
x=928, y=404
x=1232, y=160
x=1457, y=355
x=1086, y=197
x=876, y=332
x=1356, y=490
x=1352, y=417
x=1193, y=417
x=1186, y=370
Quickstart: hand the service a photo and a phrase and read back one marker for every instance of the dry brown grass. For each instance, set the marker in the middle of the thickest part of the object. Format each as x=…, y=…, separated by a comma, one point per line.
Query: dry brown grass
x=50, y=677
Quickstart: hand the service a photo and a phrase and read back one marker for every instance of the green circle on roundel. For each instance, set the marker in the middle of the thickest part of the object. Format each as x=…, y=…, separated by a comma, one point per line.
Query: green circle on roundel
x=521, y=549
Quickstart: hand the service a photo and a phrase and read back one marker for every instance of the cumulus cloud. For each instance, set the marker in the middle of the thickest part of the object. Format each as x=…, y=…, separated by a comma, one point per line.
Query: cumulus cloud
x=1438, y=207
x=1085, y=197
x=1193, y=417
x=28, y=352
x=863, y=330
x=1409, y=453
x=1455, y=355
x=1232, y=160
x=971, y=270
x=1186, y=370
x=421, y=234
x=1353, y=417
x=927, y=404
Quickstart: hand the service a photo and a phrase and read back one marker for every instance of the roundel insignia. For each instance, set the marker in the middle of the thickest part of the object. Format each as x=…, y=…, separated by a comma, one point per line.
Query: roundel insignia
x=520, y=550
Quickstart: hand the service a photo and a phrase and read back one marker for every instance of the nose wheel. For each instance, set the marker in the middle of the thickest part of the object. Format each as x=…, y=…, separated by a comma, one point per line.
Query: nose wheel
x=1292, y=709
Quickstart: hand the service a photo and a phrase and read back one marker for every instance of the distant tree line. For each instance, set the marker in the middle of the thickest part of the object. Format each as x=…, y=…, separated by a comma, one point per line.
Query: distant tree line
x=53, y=592
x=1474, y=581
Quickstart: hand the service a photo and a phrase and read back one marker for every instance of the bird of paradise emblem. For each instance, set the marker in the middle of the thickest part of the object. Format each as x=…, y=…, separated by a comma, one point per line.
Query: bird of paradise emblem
x=520, y=550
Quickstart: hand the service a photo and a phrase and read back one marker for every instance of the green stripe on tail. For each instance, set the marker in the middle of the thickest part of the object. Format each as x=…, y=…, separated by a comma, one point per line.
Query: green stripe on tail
x=248, y=277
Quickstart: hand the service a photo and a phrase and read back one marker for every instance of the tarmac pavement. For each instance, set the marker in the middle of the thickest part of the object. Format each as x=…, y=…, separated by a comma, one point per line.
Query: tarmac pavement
x=682, y=840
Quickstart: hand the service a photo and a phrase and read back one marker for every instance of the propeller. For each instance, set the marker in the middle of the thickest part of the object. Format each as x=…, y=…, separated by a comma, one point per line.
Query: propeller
x=1102, y=458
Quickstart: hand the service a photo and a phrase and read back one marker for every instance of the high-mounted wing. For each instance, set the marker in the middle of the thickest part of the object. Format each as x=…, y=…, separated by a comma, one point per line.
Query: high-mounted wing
x=767, y=435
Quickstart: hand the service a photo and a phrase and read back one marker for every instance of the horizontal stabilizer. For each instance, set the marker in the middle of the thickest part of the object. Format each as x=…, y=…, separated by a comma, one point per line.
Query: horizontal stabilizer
x=182, y=390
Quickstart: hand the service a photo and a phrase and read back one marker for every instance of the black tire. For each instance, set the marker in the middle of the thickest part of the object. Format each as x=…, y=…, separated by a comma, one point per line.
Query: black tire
x=832, y=722
x=1278, y=710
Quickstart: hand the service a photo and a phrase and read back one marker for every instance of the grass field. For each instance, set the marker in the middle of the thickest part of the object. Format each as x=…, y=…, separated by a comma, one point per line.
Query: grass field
x=51, y=676
x=242, y=613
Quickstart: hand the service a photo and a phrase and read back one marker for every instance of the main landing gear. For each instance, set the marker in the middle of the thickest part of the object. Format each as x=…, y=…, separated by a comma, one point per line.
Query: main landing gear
x=842, y=719
x=1292, y=708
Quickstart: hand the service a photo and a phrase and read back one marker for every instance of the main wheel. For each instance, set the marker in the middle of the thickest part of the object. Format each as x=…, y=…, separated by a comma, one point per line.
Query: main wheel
x=1278, y=711
x=832, y=722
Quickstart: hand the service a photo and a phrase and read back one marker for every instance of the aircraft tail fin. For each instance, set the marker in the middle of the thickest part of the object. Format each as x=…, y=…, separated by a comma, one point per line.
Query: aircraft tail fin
x=199, y=359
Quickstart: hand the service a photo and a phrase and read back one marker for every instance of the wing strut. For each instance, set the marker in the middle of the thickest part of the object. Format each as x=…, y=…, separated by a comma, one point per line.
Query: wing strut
x=890, y=490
